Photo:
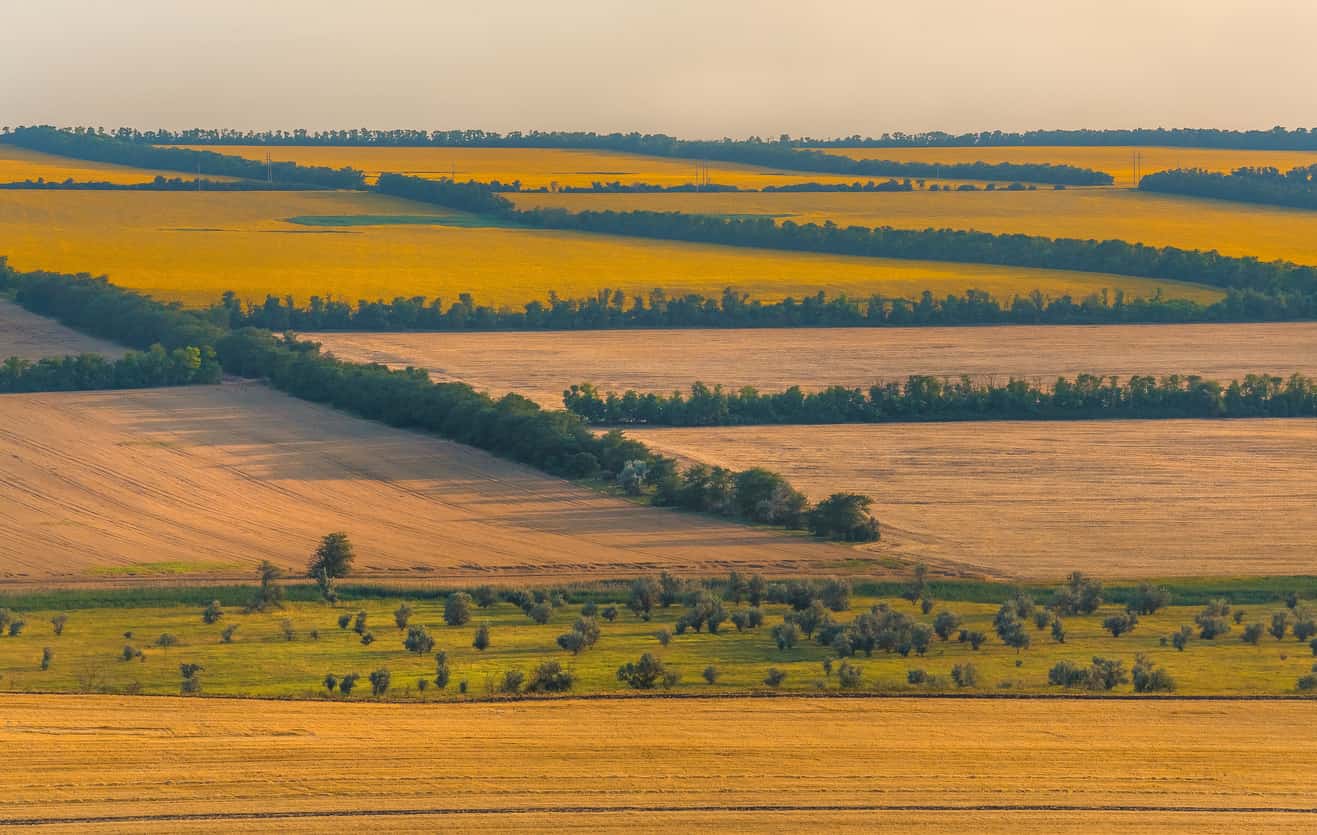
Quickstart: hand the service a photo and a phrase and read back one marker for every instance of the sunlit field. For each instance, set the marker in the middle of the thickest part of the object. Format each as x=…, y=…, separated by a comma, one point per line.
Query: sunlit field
x=1116, y=160
x=532, y=167
x=19, y=164
x=191, y=247
x=1236, y=229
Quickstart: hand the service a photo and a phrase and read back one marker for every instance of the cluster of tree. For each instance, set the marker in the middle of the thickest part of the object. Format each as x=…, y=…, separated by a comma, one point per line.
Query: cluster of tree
x=94, y=144
x=886, y=185
x=159, y=183
x=617, y=187
x=155, y=367
x=1111, y=256
x=1296, y=187
x=1275, y=139
x=924, y=397
x=611, y=309
x=782, y=153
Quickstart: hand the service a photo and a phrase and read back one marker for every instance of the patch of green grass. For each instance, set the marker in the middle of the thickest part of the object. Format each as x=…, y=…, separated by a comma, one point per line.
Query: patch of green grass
x=458, y=219
x=261, y=662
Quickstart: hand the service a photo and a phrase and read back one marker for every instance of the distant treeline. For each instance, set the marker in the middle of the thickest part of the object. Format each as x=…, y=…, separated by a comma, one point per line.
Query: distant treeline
x=159, y=183
x=1275, y=139
x=156, y=367
x=1296, y=188
x=929, y=398
x=614, y=309
x=886, y=185
x=781, y=154
x=1273, y=278
x=512, y=426
x=85, y=143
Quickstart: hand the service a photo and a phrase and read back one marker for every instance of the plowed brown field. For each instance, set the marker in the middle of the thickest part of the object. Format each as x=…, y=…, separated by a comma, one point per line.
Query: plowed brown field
x=211, y=480
x=1131, y=499
x=110, y=764
x=27, y=335
x=542, y=365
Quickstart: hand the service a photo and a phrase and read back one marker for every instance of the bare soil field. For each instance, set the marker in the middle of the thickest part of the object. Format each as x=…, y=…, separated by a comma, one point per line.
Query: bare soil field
x=111, y=764
x=542, y=365
x=31, y=337
x=1131, y=499
x=172, y=484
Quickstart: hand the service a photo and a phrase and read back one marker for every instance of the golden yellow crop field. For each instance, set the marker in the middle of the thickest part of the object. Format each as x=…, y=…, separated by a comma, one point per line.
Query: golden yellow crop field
x=533, y=167
x=192, y=246
x=19, y=164
x=1123, y=499
x=1236, y=229
x=1116, y=160
x=116, y=764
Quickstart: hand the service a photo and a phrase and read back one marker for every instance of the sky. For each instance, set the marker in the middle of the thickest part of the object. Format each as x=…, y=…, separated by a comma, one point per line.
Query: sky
x=692, y=68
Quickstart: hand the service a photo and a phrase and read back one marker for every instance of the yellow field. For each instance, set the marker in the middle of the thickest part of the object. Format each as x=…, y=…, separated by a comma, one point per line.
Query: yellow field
x=542, y=365
x=191, y=247
x=1230, y=228
x=18, y=164
x=172, y=484
x=1116, y=160
x=533, y=167
x=112, y=764
x=1127, y=498
x=27, y=335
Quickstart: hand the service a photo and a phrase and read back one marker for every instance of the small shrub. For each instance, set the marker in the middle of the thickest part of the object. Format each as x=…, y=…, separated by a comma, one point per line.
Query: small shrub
x=664, y=637
x=47, y=655
x=550, y=677
x=57, y=623
x=1239, y=616
x=359, y=623
x=1105, y=674
x=226, y=636
x=129, y=652
x=609, y=613
x=441, y=672
x=1252, y=634
x=644, y=674
x=775, y=677
x=754, y=617
x=418, y=640
x=1041, y=619
x=463, y=686
x=379, y=682
x=541, y=613
x=1118, y=625
x=212, y=613
x=848, y=675
x=481, y=639
x=975, y=639
x=1058, y=630
x=347, y=682
x=512, y=681
x=827, y=667
x=330, y=683
x=590, y=609
x=16, y=627
x=1308, y=682
x=785, y=635
x=343, y=620
x=1149, y=678
x=1067, y=674
x=916, y=676
x=368, y=639
x=166, y=640
x=1280, y=623
x=422, y=684
x=965, y=675
x=484, y=596
x=710, y=674
x=1180, y=638
x=402, y=615
x=945, y=623
x=287, y=627
x=314, y=634
x=926, y=604
x=1305, y=626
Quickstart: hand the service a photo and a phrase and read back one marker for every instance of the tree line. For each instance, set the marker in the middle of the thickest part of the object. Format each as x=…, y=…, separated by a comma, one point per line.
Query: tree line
x=512, y=426
x=1296, y=188
x=1119, y=257
x=929, y=398
x=158, y=183
x=782, y=153
x=83, y=372
x=87, y=143
x=1275, y=139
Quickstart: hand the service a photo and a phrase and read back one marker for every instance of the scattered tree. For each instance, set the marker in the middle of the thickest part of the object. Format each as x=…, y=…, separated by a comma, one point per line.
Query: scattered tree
x=191, y=678
x=550, y=677
x=1079, y=596
x=1252, y=633
x=359, y=623
x=441, y=671
x=1118, y=625
x=965, y=675
x=379, y=682
x=347, y=682
x=212, y=613
x=287, y=626
x=269, y=594
x=418, y=640
x=663, y=636
x=331, y=562
x=226, y=635
x=1280, y=622
x=512, y=681
x=645, y=595
x=1058, y=630
x=47, y=655
x=481, y=640
x=367, y=639
x=848, y=675
x=402, y=615
x=1147, y=599
x=166, y=640
x=945, y=623
x=457, y=609
x=484, y=596
x=331, y=683
x=836, y=594
x=541, y=612
x=1180, y=638
x=58, y=621
x=583, y=635
x=711, y=674
x=1212, y=619
x=343, y=620
x=775, y=677
x=645, y=674
x=785, y=635
x=1149, y=678
x=609, y=613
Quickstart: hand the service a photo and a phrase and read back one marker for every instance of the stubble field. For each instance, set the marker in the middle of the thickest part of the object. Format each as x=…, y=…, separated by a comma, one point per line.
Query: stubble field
x=1112, y=498
x=109, y=764
x=205, y=482
x=31, y=337
x=542, y=365
x=1235, y=229
x=19, y=164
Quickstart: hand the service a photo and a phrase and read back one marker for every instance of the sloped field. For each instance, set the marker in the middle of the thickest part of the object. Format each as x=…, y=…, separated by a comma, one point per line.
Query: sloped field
x=27, y=335
x=542, y=365
x=209, y=481
x=108, y=764
x=1132, y=499
x=19, y=164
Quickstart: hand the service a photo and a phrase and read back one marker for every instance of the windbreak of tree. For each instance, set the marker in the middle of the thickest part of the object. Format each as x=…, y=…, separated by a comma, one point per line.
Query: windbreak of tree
x=87, y=143
x=614, y=309
x=513, y=427
x=928, y=398
x=1296, y=187
x=1275, y=139
x=159, y=183
x=782, y=153
x=153, y=368
x=1119, y=257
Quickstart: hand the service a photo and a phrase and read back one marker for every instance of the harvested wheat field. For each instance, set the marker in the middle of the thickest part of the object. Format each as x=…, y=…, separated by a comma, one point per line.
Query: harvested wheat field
x=97, y=763
x=31, y=337
x=1129, y=499
x=19, y=164
x=1116, y=160
x=208, y=481
x=542, y=365
x=532, y=167
x=1236, y=229
x=193, y=246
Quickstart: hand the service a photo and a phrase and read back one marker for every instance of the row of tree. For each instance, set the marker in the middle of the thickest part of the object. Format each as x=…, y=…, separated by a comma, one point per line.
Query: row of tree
x=158, y=183
x=782, y=153
x=1296, y=188
x=1111, y=256
x=924, y=397
x=87, y=143
x=155, y=367
x=1275, y=139
x=512, y=426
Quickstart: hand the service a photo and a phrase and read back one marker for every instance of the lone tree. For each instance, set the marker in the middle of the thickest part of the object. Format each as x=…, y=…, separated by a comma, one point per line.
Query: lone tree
x=269, y=594
x=331, y=561
x=457, y=609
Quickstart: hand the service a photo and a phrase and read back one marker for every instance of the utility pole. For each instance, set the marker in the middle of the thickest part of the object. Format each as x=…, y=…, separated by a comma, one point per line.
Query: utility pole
x=269, y=169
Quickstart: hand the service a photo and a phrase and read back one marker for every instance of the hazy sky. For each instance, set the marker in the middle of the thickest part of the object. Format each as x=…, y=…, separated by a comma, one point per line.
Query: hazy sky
x=695, y=68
